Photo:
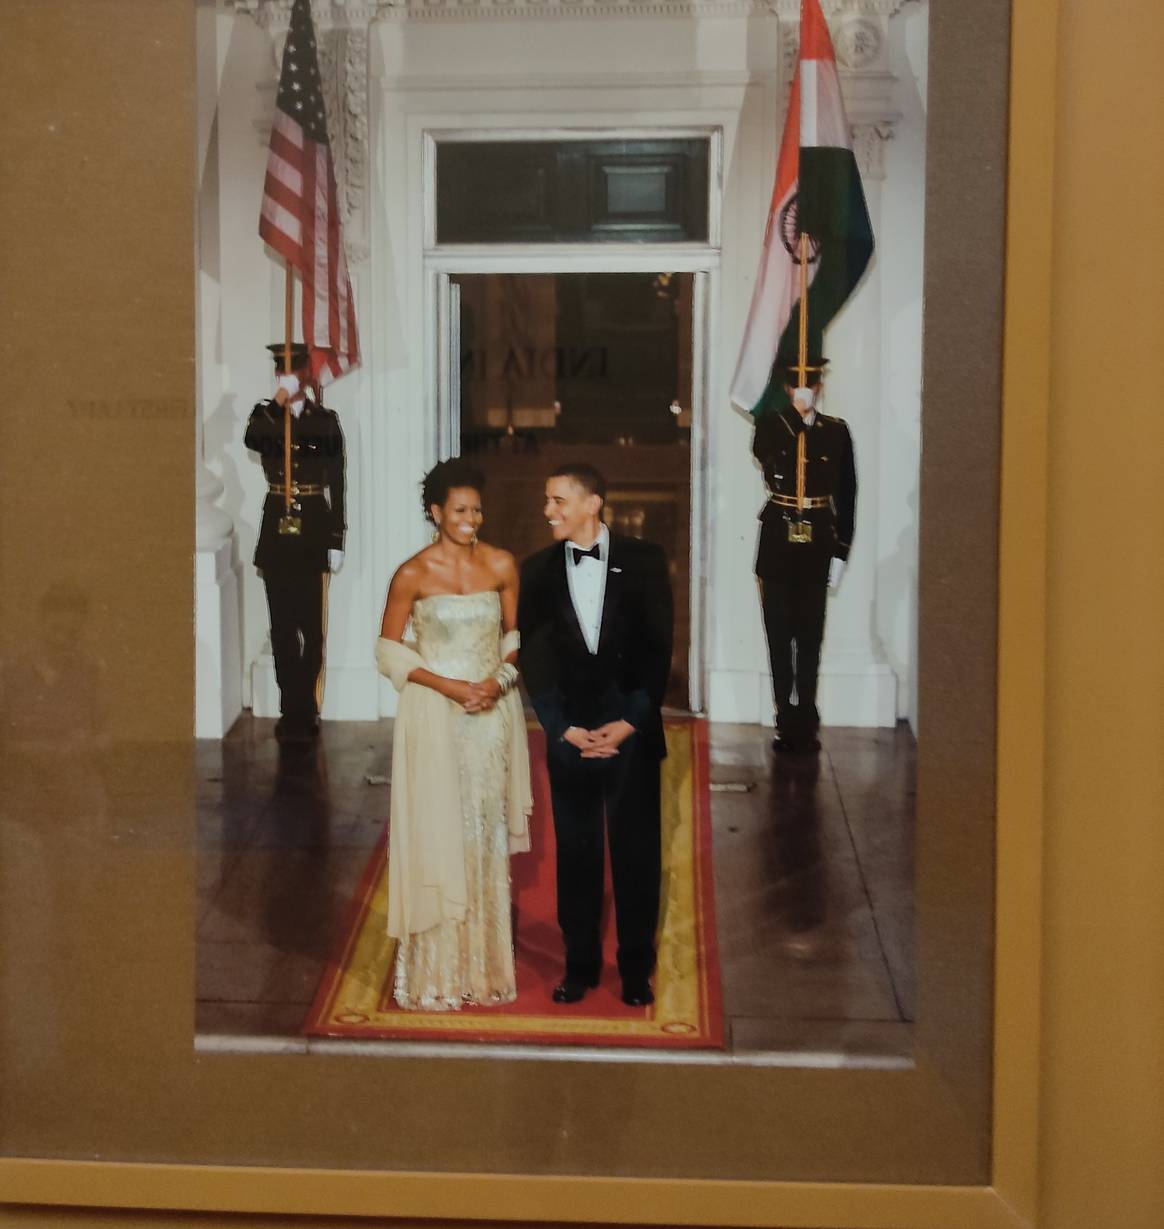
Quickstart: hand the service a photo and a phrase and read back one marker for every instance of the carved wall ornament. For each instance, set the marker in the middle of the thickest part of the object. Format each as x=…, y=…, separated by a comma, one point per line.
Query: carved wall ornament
x=869, y=142
x=859, y=30
x=343, y=49
x=789, y=10
x=858, y=42
x=275, y=15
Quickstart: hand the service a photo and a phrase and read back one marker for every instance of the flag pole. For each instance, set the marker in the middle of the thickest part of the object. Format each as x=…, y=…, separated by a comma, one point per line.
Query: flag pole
x=802, y=372
x=802, y=363
x=288, y=317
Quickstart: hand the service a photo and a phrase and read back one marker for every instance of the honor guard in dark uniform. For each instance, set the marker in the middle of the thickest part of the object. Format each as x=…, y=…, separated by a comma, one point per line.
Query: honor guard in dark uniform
x=806, y=528
x=302, y=540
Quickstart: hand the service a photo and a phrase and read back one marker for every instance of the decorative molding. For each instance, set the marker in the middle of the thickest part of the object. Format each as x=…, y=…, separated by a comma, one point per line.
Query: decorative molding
x=483, y=10
x=869, y=147
x=354, y=112
x=343, y=69
x=476, y=10
x=789, y=10
x=274, y=15
x=859, y=43
x=343, y=45
x=860, y=32
x=212, y=525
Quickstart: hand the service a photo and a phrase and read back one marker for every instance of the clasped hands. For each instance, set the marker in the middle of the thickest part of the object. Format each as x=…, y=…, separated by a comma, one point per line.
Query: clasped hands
x=601, y=743
x=477, y=697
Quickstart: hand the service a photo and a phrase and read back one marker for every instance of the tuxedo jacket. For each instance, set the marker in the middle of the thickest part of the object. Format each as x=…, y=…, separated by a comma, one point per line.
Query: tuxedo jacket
x=317, y=461
x=829, y=475
x=567, y=684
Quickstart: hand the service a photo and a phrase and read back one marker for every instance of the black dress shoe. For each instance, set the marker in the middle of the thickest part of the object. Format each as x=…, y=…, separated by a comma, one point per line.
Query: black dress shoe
x=637, y=993
x=573, y=989
x=798, y=744
x=296, y=728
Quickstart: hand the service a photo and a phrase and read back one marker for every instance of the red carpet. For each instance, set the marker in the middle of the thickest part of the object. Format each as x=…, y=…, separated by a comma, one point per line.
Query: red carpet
x=354, y=996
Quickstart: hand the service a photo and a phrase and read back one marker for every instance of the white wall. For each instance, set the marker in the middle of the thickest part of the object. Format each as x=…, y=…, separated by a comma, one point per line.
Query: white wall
x=900, y=240
x=589, y=72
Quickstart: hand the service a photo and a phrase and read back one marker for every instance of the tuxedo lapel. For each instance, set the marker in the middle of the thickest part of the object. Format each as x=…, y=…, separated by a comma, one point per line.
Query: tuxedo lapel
x=562, y=598
x=612, y=597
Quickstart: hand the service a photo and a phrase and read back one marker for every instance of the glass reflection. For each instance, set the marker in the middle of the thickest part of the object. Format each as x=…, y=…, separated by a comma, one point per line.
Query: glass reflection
x=584, y=366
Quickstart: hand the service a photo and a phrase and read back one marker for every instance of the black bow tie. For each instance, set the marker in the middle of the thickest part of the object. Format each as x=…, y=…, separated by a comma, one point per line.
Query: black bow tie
x=580, y=554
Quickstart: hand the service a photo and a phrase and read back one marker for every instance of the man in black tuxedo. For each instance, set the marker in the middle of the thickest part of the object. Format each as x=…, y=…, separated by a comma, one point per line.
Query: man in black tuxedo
x=300, y=544
x=595, y=616
x=806, y=528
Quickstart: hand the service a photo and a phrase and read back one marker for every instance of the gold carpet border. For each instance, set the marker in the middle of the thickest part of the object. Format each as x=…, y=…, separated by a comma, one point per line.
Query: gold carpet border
x=682, y=1005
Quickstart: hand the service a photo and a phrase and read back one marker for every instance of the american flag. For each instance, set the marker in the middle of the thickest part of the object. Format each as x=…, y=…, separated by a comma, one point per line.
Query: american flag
x=300, y=215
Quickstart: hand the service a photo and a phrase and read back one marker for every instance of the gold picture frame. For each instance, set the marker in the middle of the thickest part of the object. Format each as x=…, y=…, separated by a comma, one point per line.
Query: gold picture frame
x=1011, y=1196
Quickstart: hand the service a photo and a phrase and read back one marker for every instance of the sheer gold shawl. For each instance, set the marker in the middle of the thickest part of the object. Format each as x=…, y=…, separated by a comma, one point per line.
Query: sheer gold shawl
x=426, y=854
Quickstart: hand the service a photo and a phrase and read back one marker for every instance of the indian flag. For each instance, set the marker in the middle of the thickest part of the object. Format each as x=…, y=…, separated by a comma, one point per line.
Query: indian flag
x=818, y=193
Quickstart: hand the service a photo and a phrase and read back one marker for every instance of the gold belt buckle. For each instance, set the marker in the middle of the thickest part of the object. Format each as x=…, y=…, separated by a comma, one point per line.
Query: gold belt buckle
x=290, y=524
x=799, y=531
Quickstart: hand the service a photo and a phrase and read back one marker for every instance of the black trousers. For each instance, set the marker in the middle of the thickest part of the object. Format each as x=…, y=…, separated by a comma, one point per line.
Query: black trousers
x=794, y=618
x=626, y=790
x=295, y=602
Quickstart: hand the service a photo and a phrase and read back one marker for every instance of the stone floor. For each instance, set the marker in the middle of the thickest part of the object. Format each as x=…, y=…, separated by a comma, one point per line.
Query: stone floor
x=813, y=876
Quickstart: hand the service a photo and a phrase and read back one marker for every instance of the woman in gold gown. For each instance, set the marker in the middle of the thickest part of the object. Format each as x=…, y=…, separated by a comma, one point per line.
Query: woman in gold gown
x=460, y=763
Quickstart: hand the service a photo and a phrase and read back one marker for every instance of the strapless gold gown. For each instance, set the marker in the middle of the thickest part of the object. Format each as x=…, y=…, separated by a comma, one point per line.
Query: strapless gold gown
x=469, y=961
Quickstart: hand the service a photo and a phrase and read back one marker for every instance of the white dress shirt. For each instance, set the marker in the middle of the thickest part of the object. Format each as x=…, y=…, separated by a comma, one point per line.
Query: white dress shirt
x=587, y=581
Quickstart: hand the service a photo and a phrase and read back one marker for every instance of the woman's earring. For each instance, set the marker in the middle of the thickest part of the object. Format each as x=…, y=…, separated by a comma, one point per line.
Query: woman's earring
x=436, y=533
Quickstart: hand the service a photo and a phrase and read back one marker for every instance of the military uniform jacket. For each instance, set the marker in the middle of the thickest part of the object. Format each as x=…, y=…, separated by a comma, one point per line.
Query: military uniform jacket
x=317, y=463
x=830, y=481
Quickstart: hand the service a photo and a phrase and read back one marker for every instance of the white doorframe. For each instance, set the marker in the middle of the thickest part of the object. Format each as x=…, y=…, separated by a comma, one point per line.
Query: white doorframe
x=702, y=260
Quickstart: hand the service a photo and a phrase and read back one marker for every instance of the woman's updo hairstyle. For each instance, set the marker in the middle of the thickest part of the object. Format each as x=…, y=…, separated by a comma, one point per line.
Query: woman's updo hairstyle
x=446, y=476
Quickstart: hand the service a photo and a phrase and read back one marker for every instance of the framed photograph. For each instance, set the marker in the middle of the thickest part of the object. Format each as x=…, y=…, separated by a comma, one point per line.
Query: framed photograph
x=197, y=992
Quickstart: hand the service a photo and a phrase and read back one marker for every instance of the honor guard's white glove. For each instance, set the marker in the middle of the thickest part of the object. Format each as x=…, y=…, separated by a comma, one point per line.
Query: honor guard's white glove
x=836, y=571
x=335, y=560
x=290, y=393
x=803, y=398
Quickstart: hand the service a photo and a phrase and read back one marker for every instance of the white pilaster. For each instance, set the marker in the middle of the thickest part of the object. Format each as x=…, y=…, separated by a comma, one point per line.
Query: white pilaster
x=218, y=657
x=217, y=611
x=857, y=686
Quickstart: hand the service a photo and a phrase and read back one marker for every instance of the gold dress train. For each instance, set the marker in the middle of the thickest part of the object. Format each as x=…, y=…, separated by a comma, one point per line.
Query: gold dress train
x=468, y=960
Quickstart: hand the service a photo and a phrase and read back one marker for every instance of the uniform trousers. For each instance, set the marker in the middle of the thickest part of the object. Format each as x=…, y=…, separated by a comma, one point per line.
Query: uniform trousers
x=295, y=602
x=794, y=618
x=625, y=789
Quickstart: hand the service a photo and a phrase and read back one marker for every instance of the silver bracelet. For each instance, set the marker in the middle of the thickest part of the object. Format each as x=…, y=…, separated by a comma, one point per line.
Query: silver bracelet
x=506, y=676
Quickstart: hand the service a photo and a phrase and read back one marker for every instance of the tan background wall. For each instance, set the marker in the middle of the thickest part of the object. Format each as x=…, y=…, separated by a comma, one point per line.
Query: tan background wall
x=1103, y=999
x=1102, y=1127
